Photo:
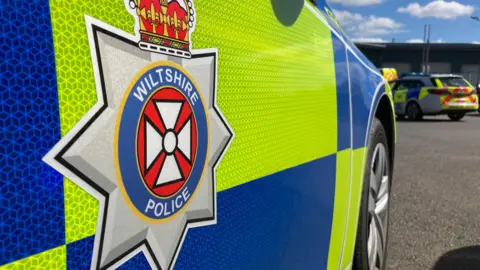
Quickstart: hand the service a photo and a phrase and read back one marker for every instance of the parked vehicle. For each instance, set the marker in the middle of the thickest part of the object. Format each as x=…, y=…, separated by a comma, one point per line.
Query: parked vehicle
x=419, y=94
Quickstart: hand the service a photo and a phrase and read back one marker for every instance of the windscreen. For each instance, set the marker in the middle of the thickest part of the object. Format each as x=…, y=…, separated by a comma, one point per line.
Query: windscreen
x=454, y=81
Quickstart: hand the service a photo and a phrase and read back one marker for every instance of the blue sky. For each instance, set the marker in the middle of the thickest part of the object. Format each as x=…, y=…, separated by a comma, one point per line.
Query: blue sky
x=404, y=20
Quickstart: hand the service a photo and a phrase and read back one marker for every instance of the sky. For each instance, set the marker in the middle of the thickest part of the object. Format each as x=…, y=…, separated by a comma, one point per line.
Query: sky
x=404, y=20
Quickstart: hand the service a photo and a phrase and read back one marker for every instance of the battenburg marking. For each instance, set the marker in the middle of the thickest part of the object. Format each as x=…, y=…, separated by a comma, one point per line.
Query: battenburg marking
x=160, y=137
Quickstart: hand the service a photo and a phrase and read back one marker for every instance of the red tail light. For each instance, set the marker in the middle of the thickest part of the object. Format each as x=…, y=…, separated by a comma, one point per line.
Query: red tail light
x=439, y=92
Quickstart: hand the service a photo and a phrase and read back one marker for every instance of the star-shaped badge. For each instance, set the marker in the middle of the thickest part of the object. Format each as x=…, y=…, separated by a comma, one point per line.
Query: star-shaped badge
x=148, y=149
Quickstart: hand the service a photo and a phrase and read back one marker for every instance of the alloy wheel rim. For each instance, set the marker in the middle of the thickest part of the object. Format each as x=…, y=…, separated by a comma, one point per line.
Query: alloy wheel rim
x=378, y=200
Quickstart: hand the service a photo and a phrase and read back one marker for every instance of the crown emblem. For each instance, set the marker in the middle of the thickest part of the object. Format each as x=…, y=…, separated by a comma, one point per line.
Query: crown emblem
x=165, y=25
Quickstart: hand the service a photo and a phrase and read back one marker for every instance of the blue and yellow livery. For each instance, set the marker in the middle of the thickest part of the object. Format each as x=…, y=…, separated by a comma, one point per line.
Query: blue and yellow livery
x=419, y=94
x=190, y=134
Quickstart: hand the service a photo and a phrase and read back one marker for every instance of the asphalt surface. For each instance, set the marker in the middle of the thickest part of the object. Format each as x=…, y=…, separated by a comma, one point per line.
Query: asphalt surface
x=435, y=207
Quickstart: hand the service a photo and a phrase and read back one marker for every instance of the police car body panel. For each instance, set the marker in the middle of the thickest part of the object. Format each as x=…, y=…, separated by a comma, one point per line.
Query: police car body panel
x=180, y=134
x=435, y=93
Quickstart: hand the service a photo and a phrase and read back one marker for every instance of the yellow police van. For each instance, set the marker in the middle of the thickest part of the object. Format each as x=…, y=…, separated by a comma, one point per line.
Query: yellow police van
x=190, y=134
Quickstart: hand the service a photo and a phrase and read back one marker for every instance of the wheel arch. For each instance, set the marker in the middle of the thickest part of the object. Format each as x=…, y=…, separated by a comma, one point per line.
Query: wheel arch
x=385, y=112
x=382, y=108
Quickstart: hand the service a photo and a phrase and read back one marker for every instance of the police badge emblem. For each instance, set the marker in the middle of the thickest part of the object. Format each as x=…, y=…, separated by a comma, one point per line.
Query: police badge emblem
x=149, y=148
x=162, y=141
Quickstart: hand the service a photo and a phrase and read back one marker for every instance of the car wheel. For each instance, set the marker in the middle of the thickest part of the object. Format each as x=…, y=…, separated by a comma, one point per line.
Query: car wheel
x=414, y=112
x=372, y=232
x=456, y=116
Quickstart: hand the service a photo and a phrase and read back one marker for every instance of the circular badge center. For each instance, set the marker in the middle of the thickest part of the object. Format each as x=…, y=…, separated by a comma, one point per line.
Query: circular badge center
x=170, y=142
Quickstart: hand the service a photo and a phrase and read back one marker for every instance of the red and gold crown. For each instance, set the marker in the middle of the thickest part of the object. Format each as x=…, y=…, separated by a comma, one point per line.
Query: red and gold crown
x=165, y=25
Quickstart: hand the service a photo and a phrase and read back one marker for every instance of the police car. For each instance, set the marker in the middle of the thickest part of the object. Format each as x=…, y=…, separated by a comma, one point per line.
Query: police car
x=419, y=94
x=190, y=134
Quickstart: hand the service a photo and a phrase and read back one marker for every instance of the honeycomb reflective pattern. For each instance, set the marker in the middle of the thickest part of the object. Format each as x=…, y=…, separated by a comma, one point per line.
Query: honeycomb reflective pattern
x=31, y=193
x=76, y=90
x=281, y=221
x=52, y=259
x=80, y=212
x=262, y=78
x=79, y=254
x=258, y=91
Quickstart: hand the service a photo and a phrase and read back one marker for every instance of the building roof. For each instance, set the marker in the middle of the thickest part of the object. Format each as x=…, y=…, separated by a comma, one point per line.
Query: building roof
x=420, y=46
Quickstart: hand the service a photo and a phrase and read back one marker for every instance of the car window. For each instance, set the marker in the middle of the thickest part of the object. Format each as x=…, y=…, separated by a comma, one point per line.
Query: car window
x=393, y=85
x=402, y=85
x=454, y=81
x=416, y=84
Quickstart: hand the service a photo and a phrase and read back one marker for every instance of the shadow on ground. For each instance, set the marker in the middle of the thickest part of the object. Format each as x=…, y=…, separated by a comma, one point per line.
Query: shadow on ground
x=467, y=258
x=427, y=120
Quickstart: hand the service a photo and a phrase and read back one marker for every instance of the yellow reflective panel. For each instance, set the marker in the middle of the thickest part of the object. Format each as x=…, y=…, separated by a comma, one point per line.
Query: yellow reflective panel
x=342, y=186
x=358, y=161
x=53, y=259
x=81, y=212
x=276, y=87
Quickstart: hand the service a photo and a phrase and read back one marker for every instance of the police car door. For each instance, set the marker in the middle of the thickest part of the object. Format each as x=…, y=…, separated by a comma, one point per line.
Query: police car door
x=204, y=134
x=400, y=92
x=340, y=248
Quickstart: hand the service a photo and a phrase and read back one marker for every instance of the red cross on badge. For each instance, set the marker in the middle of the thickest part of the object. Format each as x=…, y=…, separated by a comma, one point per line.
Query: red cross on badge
x=166, y=142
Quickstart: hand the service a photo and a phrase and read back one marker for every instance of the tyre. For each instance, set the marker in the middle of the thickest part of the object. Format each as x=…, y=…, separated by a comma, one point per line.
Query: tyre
x=414, y=112
x=372, y=232
x=456, y=116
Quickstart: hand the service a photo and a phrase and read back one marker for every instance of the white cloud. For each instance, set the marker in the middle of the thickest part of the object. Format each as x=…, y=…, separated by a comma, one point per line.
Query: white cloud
x=369, y=40
x=346, y=18
x=355, y=2
x=379, y=26
x=360, y=26
x=476, y=42
x=438, y=9
x=415, y=40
